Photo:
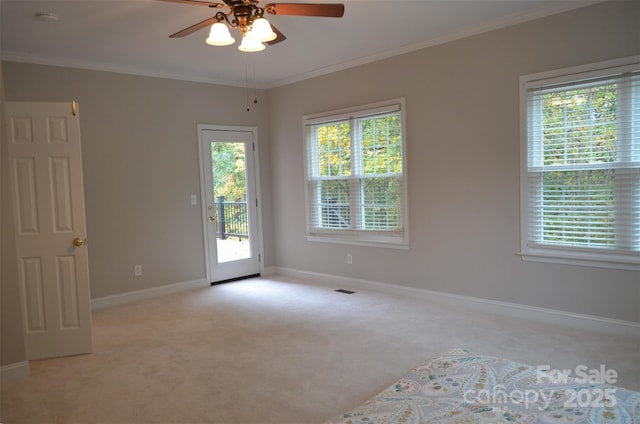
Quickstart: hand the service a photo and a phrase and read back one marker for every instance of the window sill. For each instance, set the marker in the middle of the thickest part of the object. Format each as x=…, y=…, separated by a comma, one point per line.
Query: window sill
x=598, y=260
x=357, y=242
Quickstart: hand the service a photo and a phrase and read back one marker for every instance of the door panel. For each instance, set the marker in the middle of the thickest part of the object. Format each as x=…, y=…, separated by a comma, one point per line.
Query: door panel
x=33, y=294
x=27, y=214
x=68, y=289
x=47, y=192
x=230, y=203
x=61, y=194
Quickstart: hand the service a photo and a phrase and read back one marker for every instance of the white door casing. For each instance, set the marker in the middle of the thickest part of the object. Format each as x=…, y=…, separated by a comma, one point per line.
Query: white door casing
x=48, y=204
x=218, y=269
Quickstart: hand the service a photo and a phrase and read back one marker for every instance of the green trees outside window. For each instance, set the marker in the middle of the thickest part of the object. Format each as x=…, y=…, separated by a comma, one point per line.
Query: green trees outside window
x=356, y=175
x=583, y=165
x=579, y=128
x=358, y=179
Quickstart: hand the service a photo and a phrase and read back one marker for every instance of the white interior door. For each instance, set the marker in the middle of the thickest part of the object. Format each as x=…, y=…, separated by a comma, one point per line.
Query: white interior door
x=48, y=204
x=230, y=203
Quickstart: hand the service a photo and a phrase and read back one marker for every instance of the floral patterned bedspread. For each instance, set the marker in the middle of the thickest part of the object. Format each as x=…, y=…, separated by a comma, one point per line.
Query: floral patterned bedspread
x=462, y=387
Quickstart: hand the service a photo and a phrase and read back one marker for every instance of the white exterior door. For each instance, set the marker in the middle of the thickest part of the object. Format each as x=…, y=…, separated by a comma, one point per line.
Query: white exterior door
x=48, y=204
x=230, y=200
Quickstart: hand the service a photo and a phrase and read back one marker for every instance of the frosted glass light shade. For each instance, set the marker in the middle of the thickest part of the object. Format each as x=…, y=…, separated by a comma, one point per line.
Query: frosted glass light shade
x=261, y=30
x=250, y=44
x=219, y=35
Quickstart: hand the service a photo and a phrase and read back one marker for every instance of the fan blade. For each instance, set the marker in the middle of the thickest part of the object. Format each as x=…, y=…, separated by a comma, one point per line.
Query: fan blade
x=329, y=10
x=194, y=28
x=280, y=36
x=197, y=3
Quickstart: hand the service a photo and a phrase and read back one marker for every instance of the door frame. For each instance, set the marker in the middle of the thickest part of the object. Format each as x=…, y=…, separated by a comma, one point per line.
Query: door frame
x=203, y=195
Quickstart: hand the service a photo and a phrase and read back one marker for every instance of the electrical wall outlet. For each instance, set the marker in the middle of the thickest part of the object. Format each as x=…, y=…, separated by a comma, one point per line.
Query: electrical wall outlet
x=137, y=270
x=349, y=259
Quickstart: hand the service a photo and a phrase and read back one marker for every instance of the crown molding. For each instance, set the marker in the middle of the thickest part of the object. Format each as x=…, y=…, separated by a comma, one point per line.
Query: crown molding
x=109, y=67
x=553, y=9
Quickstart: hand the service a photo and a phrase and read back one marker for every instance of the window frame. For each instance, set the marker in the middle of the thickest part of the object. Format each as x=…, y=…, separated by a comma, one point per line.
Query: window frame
x=375, y=238
x=565, y=254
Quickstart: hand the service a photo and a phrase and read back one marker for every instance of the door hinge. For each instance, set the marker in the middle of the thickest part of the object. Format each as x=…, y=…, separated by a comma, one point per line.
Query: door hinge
x=259, y=257
x=256, y=203
x=254, y=146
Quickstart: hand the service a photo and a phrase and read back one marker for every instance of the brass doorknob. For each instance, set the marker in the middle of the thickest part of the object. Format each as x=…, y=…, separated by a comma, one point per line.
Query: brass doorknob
x=212, y=219
x=77, y=242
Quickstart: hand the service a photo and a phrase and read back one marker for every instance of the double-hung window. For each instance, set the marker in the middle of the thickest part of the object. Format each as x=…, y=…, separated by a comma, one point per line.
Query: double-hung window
x=356, y=175
x=581, y=173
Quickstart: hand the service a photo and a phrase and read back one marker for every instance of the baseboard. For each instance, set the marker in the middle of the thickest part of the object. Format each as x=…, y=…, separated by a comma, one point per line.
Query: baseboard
x=515, y=310
x=122, y=298
x=14, y=371
x=267, y=271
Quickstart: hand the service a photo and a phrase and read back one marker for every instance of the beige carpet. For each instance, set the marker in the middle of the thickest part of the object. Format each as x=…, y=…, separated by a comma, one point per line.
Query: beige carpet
x=276, y=351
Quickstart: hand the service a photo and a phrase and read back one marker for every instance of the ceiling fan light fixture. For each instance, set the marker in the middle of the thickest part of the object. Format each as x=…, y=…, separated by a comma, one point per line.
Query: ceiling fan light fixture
x=261, y=31
x=219, y=35
x=250, y=44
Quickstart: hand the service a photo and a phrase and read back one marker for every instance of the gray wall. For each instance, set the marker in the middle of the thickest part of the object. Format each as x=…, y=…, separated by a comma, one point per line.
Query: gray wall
x=463, y=164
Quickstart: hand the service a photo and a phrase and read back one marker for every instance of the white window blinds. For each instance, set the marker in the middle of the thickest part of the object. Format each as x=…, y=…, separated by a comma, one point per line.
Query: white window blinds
x=356, y=175
x=583, y=163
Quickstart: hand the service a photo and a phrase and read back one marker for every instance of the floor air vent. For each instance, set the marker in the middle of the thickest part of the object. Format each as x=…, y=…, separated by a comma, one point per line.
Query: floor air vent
x=344, y=291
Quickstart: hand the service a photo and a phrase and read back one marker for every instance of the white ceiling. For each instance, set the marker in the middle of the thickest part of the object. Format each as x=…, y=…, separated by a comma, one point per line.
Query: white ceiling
x=133, y=36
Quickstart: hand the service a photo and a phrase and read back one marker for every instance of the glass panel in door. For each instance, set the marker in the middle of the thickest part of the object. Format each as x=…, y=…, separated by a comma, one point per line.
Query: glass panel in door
x=228, y=166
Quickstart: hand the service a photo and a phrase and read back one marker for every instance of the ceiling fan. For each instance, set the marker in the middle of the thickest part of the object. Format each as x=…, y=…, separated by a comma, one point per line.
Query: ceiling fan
x=248, y=17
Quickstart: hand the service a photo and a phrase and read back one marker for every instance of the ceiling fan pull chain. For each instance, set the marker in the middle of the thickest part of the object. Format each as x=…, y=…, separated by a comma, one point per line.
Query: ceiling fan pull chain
x=253, y=81
x=255, y=88
x=246, y=81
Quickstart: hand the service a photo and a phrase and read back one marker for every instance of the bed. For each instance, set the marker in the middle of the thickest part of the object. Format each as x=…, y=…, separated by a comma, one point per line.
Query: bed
x=462, y=387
